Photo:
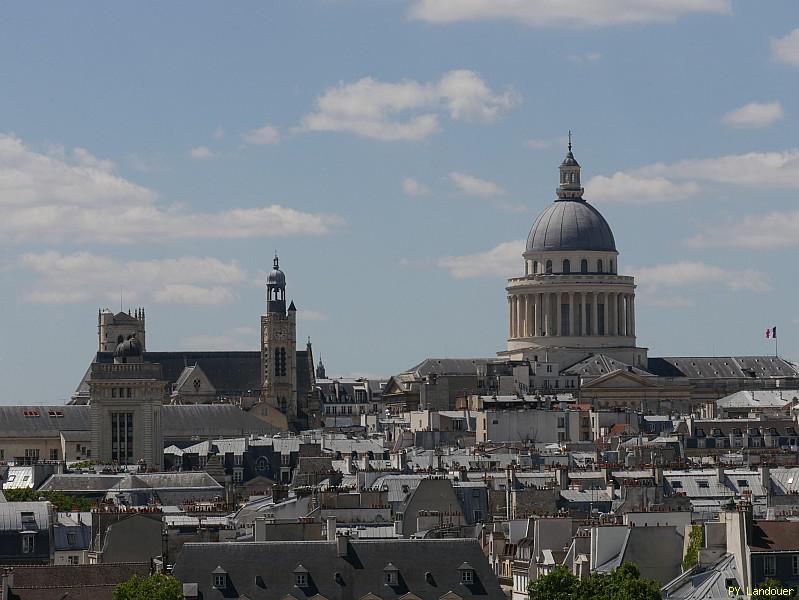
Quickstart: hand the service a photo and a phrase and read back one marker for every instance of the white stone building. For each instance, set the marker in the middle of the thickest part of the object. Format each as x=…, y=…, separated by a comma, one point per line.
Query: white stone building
x=571, y=301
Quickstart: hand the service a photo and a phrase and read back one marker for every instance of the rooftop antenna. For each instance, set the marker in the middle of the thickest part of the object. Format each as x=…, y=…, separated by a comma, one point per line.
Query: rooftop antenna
x=570, y=140
x=121, y=309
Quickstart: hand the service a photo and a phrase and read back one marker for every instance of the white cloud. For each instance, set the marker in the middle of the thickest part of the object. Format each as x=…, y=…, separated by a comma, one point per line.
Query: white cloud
x=771, y=169
x=86, y=277
x=537, y=143
x=201, y=152
x=413, y=187
x=474, y=186
x=49, y=198
x=786, y=49
x=629, y=188
x=659, y=181
x=264, y=135
x=564, y=13
x=693, y=273
x=405, y=110
x=754, y=115
x=777, y=229
x=501, y=261
x=218, y=133
x=586, y=57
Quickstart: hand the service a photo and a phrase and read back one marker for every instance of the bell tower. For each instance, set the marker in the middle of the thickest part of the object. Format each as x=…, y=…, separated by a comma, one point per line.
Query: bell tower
x=279, y=346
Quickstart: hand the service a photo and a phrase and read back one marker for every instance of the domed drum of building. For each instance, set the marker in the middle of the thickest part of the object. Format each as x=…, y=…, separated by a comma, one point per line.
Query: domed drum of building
x=571, y=301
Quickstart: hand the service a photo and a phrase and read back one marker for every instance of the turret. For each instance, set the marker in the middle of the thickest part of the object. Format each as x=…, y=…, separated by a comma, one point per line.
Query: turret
x=276, y=289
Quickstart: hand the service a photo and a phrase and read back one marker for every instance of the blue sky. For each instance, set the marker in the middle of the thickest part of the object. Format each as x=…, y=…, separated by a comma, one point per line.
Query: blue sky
x=395, y=154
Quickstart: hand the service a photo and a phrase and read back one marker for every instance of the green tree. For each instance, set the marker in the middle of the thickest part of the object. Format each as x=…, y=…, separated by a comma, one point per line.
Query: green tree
x=694, y=546
x=154, y=587
x=559, y=584
x=624, y=583
x=60, y=500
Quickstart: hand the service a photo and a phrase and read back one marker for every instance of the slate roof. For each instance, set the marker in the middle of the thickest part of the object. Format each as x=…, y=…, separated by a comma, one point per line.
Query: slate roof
x=266, y=569
x=758, y=399
x=774, y=536
x=570, y=224
x=450, y=366
x=11, y=514
x=702, y=582
x=75, y=582
x=597, y=365
x=15, y=423
x=721, y=366
x=80, y=482
x=229, y=372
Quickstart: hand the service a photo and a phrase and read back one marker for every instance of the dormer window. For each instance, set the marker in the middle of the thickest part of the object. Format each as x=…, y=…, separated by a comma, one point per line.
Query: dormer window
x=467, y=573
x=390, y=575
x=220, y=578
x=301, y=577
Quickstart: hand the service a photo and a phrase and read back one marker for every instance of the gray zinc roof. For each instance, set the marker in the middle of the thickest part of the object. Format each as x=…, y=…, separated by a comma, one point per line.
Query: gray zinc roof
x=570, y=225
x=360, y=571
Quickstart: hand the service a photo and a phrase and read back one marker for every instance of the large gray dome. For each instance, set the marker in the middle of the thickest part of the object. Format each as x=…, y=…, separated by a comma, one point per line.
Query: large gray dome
x=571, y=224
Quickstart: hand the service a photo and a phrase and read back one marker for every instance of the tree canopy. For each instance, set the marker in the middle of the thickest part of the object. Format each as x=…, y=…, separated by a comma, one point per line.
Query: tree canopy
x=60, y=500
x=624, y=583
x=155, y=587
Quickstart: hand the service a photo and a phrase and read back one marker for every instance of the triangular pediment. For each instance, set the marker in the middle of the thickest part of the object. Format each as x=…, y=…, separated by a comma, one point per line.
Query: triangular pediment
x=370, y=596
x=450, y=595
x=410, y=596
x=620, y=379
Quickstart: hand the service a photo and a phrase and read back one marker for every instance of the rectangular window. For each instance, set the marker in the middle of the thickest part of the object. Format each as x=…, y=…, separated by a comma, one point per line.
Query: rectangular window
x=390, y=577
x=769, y=566
x=467, y=576
x=71, y=539
x=703, y=484
x=561, y=422
x=53, y=453
x=238, y=476
x=220, y=581
x=122, y=437
x=285, y=459
x=795, y=564
x=28, y=544
x=73, y=559
x=301, y=579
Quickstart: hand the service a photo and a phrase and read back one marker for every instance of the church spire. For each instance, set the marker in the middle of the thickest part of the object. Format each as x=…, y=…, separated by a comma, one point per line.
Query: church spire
x=569, y=188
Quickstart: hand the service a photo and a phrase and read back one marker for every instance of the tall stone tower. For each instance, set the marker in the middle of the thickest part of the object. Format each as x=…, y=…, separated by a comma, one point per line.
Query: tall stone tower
x=279, y=346
x=126, y=399
x=113, y=329
x=571, y=302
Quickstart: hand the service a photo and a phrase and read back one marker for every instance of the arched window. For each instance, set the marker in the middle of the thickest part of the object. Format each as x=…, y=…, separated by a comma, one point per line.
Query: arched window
x=584, y=266
x=599, y=266
x=611, y=267
x=549, y=266
x=535, y=267
x=261, y=464
x=567, y=265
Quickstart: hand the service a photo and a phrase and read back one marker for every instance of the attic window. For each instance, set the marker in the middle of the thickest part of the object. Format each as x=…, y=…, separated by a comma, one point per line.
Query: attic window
x=676, y=484
x=743, y=483
x=390, y=575
x=703, y=483
x=30, y=413
x=220, y=578
x=301, y=577
x=467, y=573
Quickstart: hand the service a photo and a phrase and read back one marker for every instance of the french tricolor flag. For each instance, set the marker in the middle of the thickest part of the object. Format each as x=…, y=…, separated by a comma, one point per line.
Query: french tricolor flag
x=771, y=333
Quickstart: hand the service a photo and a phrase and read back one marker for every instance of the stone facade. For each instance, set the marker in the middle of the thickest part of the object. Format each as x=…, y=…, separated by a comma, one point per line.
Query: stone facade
x=126, y=398
x=571, y=302
x=279, y=347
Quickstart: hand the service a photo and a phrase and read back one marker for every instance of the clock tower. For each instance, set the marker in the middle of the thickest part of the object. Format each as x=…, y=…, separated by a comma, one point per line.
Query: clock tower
x=279, y=346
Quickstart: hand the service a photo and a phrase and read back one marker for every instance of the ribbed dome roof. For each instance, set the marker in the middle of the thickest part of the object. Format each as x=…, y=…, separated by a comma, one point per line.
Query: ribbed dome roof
x=570, y=224
x=276, y=277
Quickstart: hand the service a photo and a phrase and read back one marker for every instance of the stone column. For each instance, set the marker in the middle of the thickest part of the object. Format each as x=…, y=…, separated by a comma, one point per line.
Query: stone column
x=522, y=314
x=538, y=302
x=545, y=314
x=595, y=311
x=583, y=312
x=605, y=307
x=558, y=313
x=510, y=317
x=631, y=331
x=616, y=313
x=571, y=313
